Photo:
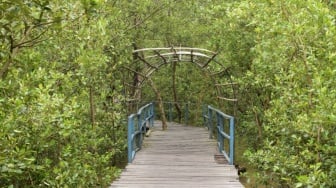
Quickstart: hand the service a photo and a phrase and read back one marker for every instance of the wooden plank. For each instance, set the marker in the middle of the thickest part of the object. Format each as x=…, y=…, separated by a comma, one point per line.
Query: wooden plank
x=182, y=156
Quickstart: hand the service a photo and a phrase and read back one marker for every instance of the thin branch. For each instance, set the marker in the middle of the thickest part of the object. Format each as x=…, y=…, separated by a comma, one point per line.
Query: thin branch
x=146, y=18
x=146, y=62
x=30, y=41
x=46, y=23
x=206, y=64
x=132, y=70
x=227, y=99
x=163, y=58
x=226, y=84
x=131, y=85
x=33, y=43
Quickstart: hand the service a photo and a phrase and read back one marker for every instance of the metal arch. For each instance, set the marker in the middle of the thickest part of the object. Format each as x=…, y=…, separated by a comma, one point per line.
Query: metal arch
x=171, y=48
x=154, y=58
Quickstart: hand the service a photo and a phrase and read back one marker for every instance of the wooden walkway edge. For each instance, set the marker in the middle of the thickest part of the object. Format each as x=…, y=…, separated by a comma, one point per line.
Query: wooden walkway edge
x=182, y=156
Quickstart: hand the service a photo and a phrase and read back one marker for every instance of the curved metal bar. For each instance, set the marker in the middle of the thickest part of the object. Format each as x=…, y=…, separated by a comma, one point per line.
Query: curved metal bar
x=171, y=48
x=181, y=53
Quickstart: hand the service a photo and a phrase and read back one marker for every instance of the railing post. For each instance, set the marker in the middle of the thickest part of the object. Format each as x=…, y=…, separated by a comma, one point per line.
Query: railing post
x=152, y=114
x=130, y=130
x=219, y=134
x=210, y=122
x=231, y=140
x=139, y=128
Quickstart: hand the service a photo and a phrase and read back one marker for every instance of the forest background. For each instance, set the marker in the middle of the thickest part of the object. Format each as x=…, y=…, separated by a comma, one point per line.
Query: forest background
x=62, y=83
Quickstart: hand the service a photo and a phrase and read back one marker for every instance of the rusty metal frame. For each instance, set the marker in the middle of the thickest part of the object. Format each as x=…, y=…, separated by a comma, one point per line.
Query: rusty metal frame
x=154, y=58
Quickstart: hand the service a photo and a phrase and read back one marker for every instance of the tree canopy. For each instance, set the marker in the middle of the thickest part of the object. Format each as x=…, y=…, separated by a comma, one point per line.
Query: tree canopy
x=64, y=99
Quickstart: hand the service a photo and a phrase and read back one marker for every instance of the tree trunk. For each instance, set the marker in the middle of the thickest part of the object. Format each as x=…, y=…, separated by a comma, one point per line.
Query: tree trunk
x=259, y=125
x=176, y=104
x=136, y=76
x=92, y=110
x=10, y=61
x=160, y=104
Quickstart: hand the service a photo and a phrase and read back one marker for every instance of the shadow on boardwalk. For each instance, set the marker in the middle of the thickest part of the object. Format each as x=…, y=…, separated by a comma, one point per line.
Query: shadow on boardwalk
x=182, y=156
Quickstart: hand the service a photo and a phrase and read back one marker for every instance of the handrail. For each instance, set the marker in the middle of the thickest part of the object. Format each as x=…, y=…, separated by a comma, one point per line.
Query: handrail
x=138, y=122
x=220, y=118
x=137, y=127
x=169, y=109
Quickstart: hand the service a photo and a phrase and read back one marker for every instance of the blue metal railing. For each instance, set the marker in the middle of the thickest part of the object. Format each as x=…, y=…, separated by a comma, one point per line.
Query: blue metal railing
x=213, y=116
x=137, y=127
x=215, y=120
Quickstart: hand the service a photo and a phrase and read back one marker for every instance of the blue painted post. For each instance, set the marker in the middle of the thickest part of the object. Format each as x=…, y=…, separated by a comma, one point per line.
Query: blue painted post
x=139, y=129
x=149, y=112
x=130, y=130
x=210, y=122
x=231, y=140
x=224, y=122
x=153, y=115
x=219, y=134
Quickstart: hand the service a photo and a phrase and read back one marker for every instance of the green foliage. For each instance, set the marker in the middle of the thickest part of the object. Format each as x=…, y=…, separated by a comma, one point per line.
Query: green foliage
x=286, y=75
x=50, y=59
x=62, y=86
x=46, y=142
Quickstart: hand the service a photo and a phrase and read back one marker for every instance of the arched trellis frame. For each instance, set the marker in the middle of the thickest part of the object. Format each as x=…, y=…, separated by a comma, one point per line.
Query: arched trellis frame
x=148, y=60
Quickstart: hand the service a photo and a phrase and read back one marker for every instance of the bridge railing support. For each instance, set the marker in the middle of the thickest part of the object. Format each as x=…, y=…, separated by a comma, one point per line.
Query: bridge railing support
x=214, y=117
x=137, y=124
x=171, y=113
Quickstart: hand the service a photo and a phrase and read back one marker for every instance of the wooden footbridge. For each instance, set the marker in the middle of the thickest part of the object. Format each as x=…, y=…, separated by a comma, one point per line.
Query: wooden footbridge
x=182, y=156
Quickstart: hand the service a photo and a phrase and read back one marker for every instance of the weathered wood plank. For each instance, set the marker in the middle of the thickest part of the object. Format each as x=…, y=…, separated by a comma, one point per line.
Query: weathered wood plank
x=182, y=156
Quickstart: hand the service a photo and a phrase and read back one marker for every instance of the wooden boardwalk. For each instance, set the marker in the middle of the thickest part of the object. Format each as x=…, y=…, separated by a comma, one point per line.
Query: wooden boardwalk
x=182, y=156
